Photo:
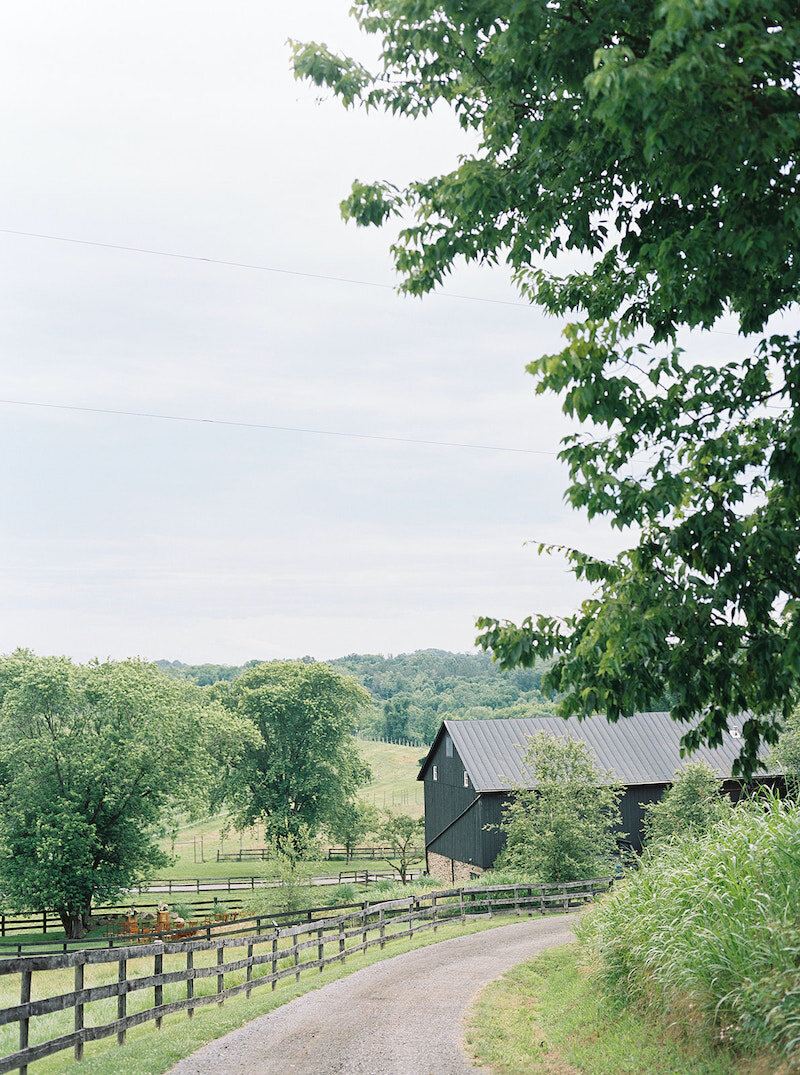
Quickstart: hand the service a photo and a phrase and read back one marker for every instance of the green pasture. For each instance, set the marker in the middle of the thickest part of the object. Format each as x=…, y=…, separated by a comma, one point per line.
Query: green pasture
x=196, y=844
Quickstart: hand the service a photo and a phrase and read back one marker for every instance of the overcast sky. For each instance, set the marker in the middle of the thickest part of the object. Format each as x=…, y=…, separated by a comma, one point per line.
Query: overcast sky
x=177, y=127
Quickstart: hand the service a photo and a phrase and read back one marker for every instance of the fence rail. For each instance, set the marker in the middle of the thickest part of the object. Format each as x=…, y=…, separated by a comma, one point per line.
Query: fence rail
x=264, y=854
x=256, y=958
x=48, y=921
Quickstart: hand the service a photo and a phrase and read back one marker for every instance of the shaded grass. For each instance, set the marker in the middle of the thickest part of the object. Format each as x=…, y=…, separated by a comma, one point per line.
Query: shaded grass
x=547, y=1017
x=149, y=1051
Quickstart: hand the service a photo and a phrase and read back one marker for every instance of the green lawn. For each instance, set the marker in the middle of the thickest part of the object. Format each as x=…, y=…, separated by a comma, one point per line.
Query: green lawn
x=197, y=844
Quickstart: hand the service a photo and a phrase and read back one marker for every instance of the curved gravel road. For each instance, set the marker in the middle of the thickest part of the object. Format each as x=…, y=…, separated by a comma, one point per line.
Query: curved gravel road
x=402, y=1016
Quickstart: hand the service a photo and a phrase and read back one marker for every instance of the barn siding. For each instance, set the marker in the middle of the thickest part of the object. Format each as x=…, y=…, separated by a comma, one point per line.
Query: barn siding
x=445, y=799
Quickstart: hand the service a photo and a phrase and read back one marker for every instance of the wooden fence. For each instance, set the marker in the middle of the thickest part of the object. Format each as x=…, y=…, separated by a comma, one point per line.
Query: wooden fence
x=253, y=960
x=264, y=854
x=44, y=921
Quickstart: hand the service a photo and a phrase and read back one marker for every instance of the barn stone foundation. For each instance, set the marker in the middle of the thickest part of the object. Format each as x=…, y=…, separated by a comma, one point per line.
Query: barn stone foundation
x=451, y=871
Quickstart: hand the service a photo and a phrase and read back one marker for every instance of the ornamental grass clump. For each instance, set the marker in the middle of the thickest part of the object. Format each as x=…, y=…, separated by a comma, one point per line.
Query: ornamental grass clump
x=708, y=930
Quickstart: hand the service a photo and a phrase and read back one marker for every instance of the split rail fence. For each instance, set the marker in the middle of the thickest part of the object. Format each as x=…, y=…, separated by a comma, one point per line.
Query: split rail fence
x=187, y=975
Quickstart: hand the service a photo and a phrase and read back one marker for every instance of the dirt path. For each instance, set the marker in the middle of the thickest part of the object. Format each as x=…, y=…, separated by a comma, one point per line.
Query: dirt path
x=402, y=1016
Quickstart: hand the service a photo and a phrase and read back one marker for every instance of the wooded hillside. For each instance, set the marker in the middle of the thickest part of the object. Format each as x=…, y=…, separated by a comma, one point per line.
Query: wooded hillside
x=414, y=692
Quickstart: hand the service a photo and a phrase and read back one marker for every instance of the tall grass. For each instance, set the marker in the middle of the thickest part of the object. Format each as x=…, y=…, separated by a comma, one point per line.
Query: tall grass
x=708, y=931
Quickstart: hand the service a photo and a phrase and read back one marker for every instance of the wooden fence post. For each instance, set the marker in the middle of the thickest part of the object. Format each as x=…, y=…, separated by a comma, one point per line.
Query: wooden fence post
x=433, y=907
x=274, y=959
x=321, y=949
x=341, y=939
x=382, y=921
x=411, y=904
x=190, y=980
x=78, y=1008
x=158, y=989
x=249, y=974
x=220, y=976
x=296, y=954
x=516, y=901
x=24, y=1023
x=461, y=906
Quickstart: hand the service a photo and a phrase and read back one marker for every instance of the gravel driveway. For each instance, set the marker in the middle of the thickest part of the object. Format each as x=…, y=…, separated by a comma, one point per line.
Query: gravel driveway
x=402, y=1016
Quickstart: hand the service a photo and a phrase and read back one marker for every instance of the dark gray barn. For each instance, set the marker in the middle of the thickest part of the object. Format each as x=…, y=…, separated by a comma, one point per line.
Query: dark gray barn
x=473, y=764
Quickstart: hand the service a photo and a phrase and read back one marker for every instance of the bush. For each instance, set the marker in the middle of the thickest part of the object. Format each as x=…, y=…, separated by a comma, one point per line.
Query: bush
x=710, y=928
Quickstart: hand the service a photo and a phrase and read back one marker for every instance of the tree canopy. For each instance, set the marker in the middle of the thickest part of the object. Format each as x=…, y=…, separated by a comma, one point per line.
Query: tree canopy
x=691, y=806
x=562, y=828
x=303, y=765
x=660, y=141
x=90, y=758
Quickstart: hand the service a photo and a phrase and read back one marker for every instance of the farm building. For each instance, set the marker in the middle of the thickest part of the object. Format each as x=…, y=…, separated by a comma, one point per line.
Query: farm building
x=472, y=766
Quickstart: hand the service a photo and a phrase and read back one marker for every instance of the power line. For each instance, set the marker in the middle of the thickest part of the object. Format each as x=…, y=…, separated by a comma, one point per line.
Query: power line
x=276, y=428
x=250, y=265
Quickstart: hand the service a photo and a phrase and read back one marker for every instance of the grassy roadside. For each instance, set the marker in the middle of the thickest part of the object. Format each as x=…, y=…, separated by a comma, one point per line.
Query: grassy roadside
x=545, y=1017
x=150, y=1052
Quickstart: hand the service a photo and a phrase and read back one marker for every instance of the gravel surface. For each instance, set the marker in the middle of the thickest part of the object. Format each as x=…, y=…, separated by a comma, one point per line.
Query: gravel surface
x=402, y=1016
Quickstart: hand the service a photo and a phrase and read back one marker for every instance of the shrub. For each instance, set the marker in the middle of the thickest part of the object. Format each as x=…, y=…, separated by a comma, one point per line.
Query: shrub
x=712, y=924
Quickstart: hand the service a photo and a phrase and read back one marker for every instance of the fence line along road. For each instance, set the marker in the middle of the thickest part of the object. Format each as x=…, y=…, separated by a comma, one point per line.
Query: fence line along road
x=296, y=950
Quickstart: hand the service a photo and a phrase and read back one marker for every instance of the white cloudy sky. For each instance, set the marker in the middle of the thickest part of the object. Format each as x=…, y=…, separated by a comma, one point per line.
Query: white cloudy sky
x=176, y=126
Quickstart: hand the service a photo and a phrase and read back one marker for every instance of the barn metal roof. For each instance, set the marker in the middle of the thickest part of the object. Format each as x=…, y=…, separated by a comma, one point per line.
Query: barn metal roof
x=641, y=749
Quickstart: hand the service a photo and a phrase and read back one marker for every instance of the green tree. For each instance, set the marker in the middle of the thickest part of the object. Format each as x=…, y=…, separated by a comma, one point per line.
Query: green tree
x=352, y=821
x=659, y=140
x=692, y=805
x=304, y=765
x=563, y=827
x=401, y=832
x=91, y=758
x=786, y=755
x=396, y=713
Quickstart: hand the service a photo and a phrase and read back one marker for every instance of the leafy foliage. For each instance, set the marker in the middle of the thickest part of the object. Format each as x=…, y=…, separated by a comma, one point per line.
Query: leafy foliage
x=401, y=832
x=660, y=141
x=786, y=755
x=708, y=930
x=424, y=688
x=303, y=766
x=694, y=804
x=90, y=757
x=351, y=822
x=562, y=828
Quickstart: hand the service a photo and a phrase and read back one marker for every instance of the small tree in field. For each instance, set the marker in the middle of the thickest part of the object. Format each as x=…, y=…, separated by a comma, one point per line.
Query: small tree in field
x=400, y=832
x=691, y=806
x=562, y=828
x=352, y=821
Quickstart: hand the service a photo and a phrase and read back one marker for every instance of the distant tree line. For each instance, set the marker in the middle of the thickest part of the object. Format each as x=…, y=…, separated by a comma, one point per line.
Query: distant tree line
x=412, y=693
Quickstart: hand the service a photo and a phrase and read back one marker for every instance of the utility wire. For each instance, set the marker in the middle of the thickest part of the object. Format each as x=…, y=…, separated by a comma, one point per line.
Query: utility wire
x=277, y=428
x=274, y=269
x=249, y=265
